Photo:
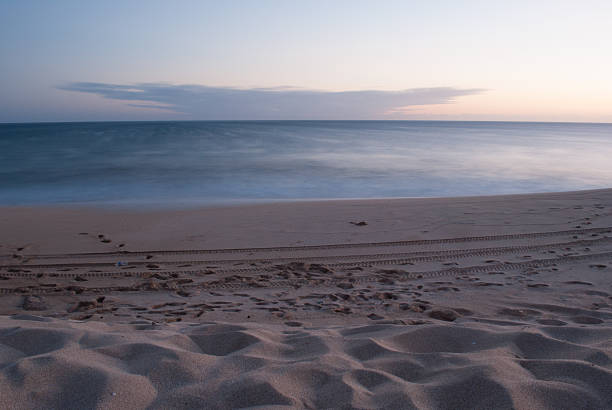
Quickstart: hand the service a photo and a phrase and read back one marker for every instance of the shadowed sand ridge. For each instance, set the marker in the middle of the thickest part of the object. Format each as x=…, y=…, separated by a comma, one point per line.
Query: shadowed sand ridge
x=429, y=366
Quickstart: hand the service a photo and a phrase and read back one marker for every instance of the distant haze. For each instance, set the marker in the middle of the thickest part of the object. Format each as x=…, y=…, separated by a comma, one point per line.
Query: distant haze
x=70, y=60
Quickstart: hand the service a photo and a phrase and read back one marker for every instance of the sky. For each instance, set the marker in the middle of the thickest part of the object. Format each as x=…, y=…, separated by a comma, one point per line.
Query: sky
x=288, y=59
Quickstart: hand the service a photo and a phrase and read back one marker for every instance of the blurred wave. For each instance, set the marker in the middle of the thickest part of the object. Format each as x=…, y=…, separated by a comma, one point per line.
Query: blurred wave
x=202, y=162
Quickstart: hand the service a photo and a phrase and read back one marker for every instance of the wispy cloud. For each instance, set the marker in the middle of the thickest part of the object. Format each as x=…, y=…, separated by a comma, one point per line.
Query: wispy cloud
x=202, y=102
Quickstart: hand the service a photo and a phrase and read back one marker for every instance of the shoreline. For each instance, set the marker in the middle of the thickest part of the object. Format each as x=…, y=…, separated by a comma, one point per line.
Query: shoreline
x=221, y=203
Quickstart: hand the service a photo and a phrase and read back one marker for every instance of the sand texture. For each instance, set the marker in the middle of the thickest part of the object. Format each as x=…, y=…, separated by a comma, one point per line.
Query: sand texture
x=458, y=303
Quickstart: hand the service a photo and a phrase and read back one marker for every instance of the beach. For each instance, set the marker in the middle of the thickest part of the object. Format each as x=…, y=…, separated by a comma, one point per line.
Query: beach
x=305, y=205
x=471, y=302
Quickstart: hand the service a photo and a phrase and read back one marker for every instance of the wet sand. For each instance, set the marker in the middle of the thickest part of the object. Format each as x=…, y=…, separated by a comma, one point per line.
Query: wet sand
x=476, y=302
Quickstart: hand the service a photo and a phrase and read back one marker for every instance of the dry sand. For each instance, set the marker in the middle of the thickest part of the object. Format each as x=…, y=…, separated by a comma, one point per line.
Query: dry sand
x=482, y=302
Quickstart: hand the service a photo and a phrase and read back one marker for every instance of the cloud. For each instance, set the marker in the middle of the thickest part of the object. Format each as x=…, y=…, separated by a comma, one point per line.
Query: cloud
x=220, y=103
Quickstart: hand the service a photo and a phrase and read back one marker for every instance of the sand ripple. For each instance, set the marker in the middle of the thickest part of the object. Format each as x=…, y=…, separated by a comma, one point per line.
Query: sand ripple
x=60, y=364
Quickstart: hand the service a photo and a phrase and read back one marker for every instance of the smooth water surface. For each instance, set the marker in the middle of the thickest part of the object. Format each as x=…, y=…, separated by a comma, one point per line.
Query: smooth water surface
x=181, y=163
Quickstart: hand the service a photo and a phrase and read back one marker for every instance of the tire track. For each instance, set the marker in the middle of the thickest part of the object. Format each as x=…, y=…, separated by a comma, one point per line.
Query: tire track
x=417, y=242
x=419, y=257
x=540, y=263
x=324, y=282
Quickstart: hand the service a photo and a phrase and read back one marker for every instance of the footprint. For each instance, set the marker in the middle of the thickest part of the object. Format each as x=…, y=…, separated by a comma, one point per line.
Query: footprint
x=463, y=312
x=596, y=293
x=537, y=285
x=551, y=322
x=519, y=312
x=488, y=284
x=447, y=315
x=578, y=282
x=586, y=320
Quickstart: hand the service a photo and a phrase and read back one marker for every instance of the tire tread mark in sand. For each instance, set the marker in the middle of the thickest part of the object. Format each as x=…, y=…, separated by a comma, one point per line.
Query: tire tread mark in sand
x=377, y=260
x=331, y=282
x=330, y=246
x=423, y=256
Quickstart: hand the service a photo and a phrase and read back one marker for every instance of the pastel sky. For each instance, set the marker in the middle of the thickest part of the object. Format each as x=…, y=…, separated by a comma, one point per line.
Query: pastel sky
x=288, y=59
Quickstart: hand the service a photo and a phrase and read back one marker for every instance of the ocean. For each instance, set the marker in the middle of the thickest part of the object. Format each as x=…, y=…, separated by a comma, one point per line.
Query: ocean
x=203, y=162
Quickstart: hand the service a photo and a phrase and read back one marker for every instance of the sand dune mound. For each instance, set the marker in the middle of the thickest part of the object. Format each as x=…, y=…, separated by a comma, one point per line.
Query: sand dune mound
x=67, y=364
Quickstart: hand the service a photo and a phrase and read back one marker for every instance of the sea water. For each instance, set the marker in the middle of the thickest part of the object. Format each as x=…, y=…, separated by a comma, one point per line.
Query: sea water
x=184, y=163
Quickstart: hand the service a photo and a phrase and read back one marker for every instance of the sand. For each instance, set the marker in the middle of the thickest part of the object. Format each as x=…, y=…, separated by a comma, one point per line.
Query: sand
x=476, y=302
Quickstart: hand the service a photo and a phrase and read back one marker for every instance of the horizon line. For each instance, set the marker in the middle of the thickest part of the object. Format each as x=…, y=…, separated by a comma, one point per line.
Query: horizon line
x=302, y=120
